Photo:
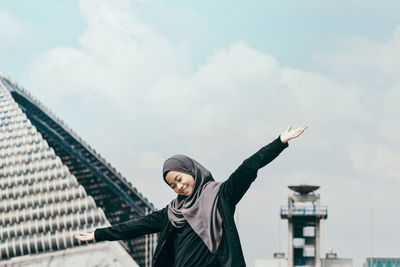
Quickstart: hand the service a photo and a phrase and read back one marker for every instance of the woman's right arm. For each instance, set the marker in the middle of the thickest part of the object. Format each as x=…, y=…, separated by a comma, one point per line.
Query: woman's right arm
x=149, y=224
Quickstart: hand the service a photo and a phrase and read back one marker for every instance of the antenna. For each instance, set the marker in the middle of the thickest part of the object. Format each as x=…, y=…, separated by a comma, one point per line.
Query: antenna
x=279, y=234
x=372, y=233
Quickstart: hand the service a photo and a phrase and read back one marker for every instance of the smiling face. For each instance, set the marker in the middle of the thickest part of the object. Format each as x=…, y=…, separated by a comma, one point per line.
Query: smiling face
x=181, y=183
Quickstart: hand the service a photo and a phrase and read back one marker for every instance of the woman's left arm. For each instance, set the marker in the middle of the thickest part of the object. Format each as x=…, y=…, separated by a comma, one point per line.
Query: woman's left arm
x=151, y=223
x=240, y=180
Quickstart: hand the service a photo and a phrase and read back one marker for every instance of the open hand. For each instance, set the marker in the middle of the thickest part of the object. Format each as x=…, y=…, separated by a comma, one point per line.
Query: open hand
x=89, y=236
x=290, y=134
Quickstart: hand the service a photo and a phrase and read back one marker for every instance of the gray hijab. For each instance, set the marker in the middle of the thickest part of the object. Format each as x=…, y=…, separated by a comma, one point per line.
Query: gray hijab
x=200, y=208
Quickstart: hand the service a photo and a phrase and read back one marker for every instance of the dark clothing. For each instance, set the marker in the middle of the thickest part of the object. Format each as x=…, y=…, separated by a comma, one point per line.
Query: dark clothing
x=190, y=250
x=229, y=252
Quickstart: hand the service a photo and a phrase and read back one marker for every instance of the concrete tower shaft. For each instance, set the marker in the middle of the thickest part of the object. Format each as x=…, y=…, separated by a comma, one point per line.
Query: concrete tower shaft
x=304, y=213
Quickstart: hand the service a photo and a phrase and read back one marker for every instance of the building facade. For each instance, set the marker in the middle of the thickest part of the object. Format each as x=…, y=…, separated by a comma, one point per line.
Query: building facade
x=54, y=185
x=382, y=262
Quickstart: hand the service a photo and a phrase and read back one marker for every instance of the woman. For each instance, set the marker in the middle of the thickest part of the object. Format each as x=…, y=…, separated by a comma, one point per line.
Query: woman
x=197, y=228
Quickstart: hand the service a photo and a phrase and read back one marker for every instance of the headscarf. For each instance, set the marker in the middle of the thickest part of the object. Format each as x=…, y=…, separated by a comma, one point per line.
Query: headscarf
x=200, y=208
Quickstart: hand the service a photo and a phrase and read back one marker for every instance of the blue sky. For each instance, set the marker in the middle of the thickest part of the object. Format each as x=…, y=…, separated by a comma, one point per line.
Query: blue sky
x=292, y=31
x=142, y=80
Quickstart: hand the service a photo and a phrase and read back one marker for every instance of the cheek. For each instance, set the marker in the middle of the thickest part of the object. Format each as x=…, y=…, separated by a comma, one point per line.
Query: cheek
x=192, y=184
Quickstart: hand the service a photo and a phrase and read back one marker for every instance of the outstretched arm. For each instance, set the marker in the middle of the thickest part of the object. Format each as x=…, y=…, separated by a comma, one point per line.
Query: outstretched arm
x=148, y=224
x=239, y=182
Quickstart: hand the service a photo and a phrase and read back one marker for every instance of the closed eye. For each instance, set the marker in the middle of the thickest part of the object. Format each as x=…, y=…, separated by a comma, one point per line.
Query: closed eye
x=177, y=178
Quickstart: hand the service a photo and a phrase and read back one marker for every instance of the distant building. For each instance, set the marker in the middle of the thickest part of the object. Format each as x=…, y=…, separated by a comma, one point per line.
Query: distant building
x=53, y=185
x=304, y=213
x=382, y=262
x=278, y=260
x=331, y=260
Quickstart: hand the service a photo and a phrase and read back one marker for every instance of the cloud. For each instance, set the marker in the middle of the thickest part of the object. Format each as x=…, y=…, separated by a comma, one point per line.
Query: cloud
x=374, y=160
x=17, y=35
x=358, y=58
x=11, y=27
x=118, y=59
x=389, y=60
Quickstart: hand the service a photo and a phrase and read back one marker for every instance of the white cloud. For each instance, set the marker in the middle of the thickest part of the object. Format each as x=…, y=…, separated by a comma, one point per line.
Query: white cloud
x=365, y=61
x=123, y=60
x=374, y=160
x=11, y=27
x=389, y=58
x=119, y=58
x=16, y=34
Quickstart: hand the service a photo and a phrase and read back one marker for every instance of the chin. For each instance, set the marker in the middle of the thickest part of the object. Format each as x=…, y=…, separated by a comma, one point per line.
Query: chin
x=186, y=194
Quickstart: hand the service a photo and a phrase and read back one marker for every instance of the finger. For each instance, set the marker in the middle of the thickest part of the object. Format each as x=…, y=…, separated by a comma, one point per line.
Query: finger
x=289, y=127
x=297, y=130
x=302, y=128
x=300, y=131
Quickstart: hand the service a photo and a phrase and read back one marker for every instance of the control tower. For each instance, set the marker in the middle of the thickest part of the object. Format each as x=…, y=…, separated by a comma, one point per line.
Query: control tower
x=304, y=213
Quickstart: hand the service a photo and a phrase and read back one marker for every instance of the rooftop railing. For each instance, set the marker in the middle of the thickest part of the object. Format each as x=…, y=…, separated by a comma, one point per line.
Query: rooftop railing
x=304, y=210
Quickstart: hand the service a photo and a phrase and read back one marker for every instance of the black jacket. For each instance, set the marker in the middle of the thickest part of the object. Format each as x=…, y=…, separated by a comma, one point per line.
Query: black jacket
x=231, y=191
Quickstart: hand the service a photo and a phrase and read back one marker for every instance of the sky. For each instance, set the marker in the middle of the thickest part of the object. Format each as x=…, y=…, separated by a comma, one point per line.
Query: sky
x=142, y=80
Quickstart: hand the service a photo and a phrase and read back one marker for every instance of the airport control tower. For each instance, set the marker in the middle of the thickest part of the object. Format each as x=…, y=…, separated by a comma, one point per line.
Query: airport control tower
x=304, y=213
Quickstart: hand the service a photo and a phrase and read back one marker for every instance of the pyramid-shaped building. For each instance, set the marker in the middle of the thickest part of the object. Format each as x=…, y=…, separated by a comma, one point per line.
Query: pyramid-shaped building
x=53, y=185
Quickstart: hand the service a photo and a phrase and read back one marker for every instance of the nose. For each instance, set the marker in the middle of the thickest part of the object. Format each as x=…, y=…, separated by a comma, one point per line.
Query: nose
x=179, y=186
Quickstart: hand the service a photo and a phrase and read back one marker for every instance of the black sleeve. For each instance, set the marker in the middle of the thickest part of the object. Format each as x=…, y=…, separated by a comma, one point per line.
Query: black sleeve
x=239, y=182
x=149, y=224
